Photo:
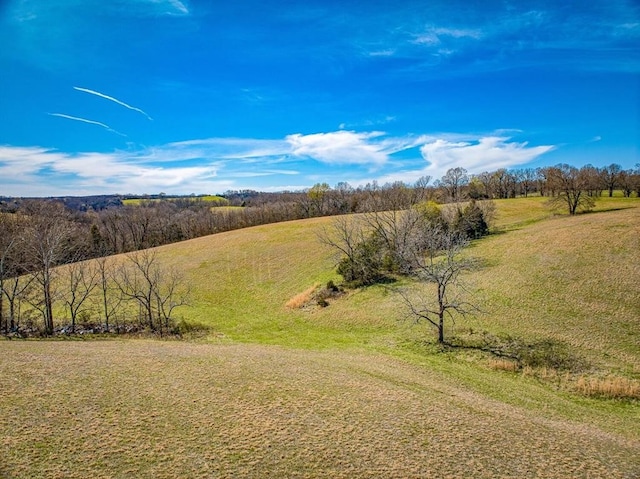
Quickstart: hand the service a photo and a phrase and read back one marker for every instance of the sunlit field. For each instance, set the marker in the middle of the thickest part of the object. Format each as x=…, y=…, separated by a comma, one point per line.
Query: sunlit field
x=352, y=389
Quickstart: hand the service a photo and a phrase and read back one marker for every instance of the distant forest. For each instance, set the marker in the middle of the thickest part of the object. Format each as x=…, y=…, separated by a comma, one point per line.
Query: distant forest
x=104, y=225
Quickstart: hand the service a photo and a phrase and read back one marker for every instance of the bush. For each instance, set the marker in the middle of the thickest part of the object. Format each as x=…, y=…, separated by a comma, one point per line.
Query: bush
x=470, y=221
x=365, y=267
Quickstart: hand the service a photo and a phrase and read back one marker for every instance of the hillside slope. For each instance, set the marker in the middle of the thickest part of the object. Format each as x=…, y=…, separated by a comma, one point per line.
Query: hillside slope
x=350, y=390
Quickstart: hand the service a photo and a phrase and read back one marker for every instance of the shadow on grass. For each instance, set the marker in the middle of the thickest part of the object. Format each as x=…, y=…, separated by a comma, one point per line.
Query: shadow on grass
x=544, y=353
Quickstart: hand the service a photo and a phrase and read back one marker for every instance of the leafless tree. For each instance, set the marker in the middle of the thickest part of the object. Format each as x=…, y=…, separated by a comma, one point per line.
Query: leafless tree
x=527, y=179
x=453, y=181
x=14, y=283
x=110, y=297
x=81, y=280
x=611, y=177
x=399, y=232
x=351, y=238
x=626, y=181
x=570, y=185
x=47, y=243
x=157, y=290
x=439, y=294
x=592, y=177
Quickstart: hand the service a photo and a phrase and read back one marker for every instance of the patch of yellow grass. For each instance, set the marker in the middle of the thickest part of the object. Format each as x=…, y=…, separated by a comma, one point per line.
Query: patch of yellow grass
x=500, y=364
x=610, y=387
x=300, y=300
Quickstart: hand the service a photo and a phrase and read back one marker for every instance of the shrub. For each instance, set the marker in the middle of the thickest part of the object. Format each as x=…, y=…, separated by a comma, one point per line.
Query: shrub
x=365, y=267
x=470, y=221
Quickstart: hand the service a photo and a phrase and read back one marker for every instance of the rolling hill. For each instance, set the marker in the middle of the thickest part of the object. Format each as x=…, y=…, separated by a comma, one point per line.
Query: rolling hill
x=353, y=389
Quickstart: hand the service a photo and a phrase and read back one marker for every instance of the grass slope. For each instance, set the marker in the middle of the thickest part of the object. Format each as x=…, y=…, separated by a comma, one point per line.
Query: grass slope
x=344, y=391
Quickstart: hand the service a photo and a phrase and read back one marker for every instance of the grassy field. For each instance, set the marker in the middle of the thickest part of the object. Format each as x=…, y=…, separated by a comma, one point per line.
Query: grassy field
x=351, y=390
x=205, y=198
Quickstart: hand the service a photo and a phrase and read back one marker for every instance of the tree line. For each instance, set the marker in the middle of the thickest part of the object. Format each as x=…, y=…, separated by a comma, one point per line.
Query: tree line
x=44, y=276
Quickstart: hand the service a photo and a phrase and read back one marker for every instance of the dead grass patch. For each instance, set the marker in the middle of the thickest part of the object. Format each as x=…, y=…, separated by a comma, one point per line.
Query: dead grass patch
x=303, y=299
x=614, y=387
x=500, y=364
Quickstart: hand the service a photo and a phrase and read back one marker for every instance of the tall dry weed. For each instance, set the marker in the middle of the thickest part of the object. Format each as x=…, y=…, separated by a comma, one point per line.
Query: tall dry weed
x=609, y=387
x=500, y=364
x=300, y=300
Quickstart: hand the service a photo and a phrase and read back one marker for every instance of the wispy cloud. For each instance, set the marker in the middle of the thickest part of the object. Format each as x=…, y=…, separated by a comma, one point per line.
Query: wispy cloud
x=436, y=35
x=217, y=164
x=171, y=7
x=110, y=98
x=84, y=120
x=599, y=35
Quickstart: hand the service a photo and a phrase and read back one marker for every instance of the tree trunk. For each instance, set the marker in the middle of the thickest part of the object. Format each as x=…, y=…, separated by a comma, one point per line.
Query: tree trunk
x=4, y=323
x=48, y=313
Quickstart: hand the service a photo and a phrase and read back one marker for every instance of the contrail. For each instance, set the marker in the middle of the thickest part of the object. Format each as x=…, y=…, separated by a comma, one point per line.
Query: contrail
x=107, y=97
x=84, y=120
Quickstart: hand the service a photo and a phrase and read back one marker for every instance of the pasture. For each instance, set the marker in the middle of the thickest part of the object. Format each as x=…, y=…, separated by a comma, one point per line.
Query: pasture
x=353, y=389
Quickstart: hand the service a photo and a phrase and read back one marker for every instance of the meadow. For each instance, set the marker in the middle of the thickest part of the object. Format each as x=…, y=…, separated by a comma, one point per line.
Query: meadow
x=204, y=198
x=352, y=389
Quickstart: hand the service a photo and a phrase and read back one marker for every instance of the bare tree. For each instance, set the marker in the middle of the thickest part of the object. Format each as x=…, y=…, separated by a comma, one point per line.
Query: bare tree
x=8, y=243
x=439, y=295
x=47, y=244
x=611, y=177
x=351, y=237
x=626, y=181
x=453, y=181
x=81, y=281
x=527, y=179
x=570, y=185
x=593, y=180
x=110, y=297
x=157, y=290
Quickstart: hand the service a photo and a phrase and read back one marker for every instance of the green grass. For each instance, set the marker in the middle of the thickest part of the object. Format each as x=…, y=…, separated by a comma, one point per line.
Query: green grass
x=204, y=198
x=350, y=390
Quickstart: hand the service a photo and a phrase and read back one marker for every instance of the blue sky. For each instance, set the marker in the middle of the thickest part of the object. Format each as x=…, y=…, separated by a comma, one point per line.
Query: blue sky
x=179, y=96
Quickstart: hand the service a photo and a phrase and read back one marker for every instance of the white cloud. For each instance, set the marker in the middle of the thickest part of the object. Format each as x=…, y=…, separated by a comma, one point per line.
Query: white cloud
x=48, y=172
x=487, y=153
x=217, y=164
x=342, y=147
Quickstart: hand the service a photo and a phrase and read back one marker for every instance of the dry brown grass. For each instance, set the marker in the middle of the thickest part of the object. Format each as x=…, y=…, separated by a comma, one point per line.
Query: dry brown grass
x=302, y=299
x=148, y=409
x=500, y=364
x=608, y=387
